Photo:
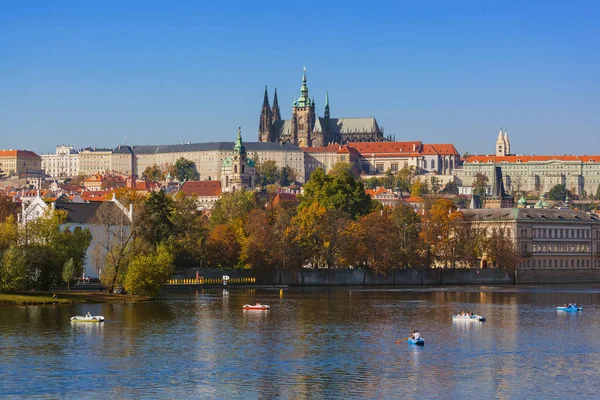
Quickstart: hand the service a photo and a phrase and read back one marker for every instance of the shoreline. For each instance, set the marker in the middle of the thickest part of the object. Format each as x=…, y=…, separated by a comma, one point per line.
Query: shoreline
x=66, y=297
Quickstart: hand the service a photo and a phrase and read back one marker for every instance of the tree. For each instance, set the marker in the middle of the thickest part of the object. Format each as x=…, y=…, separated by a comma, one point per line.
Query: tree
x=256, y=244
x=148, y=272
x=7, y=207
x=500, y=248
x=372, y=183
x=450, y=188
x=345, y=168
x=114, y=237
x=13, y=270
x=558, y=193
x=405, y=228
x=480, y=185
x=435, y=184
x=598, y=193
x=389, y=180
x=189, y=232
x=154, y=221
x=152, y=173
x=69, y=273
x=223, y=247
x=372, y=245
x=232, y=206
x=266, y=172
x=416, y=189
x=340, y=191
x=186, y=170
x=405, y=178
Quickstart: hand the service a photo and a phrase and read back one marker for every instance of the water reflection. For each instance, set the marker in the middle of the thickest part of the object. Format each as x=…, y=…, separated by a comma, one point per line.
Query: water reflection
x=313, y=343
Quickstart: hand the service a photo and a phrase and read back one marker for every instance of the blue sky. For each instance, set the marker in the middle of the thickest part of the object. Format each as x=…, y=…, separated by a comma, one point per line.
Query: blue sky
x=158, y=72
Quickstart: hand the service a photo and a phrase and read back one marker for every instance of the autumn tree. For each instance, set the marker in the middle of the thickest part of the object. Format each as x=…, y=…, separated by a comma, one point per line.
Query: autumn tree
x=405, y=178
x=190, y=229
x=7, y=207
x=450, y=188
x=436, y=233
x=223, y=246
x=154, y=222
x=152, y=173
x=186, y=170
x=405, y=226
x=372, y=243
x=233, y=206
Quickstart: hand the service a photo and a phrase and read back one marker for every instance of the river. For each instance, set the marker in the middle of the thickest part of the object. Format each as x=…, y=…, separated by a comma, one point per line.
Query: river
x=314, y=343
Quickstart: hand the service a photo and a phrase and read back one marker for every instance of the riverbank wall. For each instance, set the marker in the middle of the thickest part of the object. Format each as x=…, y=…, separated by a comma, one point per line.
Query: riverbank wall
x=357, y=277
x=588, y=275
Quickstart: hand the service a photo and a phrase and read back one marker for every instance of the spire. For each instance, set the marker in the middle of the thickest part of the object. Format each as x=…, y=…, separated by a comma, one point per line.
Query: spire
x=304, y=101
x=327, y=115
x=501, y=135
x=266, y=99
x=276, y=113
x=239, y=147
x=266, y=119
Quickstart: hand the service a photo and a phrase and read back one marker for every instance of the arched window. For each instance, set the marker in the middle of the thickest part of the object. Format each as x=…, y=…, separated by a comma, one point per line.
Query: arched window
x=243, y=169
x=432, y=164
x=235, y=169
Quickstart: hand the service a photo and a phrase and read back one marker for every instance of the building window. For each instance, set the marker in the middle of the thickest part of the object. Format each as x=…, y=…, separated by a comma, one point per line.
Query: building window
x=432, y=164
x=561, y=263
x=379, y=168
x=544, y=264
x=394, y=167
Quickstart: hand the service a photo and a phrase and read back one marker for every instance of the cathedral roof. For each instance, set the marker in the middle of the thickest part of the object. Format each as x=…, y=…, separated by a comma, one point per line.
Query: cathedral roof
x=347, y=125
x=282, y=128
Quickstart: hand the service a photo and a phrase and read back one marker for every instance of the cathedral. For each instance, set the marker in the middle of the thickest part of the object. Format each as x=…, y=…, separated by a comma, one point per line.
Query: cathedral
x=306, y=129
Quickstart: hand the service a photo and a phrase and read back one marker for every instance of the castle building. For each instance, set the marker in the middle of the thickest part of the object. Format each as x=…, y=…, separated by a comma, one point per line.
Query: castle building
x=531, y=173
x=64, y=163
x=238, y=171
x=306, y=129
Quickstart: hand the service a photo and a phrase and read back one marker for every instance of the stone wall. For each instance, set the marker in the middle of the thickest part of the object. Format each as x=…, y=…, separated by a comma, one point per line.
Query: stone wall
x=357, y=277
x=558, y=276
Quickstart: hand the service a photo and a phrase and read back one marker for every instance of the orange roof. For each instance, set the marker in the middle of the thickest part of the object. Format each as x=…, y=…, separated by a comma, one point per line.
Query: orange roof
x=386, y=147
x=202, y=188
x=19, y=153
x=525, y=159
x=291, y=197
x=441, y=149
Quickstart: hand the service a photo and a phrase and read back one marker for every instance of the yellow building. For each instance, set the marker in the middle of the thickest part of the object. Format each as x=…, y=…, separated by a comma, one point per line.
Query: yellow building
x=19, y=162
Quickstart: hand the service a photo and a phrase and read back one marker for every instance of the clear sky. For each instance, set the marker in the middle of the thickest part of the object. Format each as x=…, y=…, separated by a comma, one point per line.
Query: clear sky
x=158, y=72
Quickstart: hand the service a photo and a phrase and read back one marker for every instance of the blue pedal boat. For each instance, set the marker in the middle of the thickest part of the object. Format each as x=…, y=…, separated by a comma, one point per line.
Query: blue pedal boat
x=570, y=308
x=418, y=342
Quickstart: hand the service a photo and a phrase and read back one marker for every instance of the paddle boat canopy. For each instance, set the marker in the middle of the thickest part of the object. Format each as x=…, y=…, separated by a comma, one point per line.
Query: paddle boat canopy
x=257, y=307
x=87, y=318
x=570, y=308
x=474, y=318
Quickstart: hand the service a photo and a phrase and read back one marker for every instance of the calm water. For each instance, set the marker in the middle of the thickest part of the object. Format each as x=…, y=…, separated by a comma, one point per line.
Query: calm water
x=313, y=343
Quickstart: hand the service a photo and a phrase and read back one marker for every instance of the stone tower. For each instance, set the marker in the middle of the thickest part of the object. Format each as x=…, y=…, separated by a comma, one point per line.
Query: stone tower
x=502, y=143
x=276, y=114
x=266, y=119
x=238, y=171
x=303, y=117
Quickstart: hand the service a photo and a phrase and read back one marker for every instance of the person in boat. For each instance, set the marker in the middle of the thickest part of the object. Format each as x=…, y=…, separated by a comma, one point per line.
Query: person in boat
x=88, y=315
x=416, y=335
x=470, y=313
x=257, y=303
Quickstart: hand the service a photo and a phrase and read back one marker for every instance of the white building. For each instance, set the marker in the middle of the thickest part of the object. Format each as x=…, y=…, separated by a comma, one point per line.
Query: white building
x=62, y=164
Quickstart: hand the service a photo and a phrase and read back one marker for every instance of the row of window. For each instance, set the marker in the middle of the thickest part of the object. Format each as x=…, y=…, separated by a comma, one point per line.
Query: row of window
x=561, y=248
x=559, y=263
x=561, y=233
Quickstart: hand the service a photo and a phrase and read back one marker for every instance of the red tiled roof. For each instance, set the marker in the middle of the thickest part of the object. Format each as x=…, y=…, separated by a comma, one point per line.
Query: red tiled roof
x=20, y=153
x=386, y=147
x=202, y=188
x=441, y=149
x=525, y=159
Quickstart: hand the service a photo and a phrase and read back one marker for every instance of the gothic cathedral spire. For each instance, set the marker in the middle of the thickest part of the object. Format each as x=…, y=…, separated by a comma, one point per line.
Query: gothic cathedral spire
x=266, y=119
x=327, y=114
x=276, y=114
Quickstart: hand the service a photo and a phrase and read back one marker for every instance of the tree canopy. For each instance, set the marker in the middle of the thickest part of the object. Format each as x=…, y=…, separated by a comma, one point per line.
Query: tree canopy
x=186, y=170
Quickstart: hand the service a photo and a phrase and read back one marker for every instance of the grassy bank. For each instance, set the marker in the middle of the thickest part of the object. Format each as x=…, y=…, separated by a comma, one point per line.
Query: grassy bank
x=71, y=297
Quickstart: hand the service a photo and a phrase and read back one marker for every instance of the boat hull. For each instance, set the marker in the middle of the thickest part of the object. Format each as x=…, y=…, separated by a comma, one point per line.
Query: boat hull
x=417, y=342
x=261, y=307
x=82, y=319
x=474, y=318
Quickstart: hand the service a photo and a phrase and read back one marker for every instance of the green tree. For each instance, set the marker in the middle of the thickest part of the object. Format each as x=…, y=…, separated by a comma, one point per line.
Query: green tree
x=13, y=270
x=450, y=188
x=598, y=192
x=480, y=185
x=266, y=172
x=558, y=193
x=148, y=272
x=232, y=206
x=155, y=224
x=69, y=273
x=405, y=178
x=341, y=191
x=435, y=184
x=186, y=170
x=342, y=167
x=189, y=232
x=7, y=207
x=372, y=183
x=389, y=180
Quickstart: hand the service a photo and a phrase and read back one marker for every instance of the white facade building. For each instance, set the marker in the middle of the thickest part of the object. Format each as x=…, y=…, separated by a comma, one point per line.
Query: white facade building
x=64, y=163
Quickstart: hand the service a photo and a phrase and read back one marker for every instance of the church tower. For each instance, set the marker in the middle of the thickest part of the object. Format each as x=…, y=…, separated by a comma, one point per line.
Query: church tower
x=276, y=114
x=303, y=116
x=506, y=143
x=500, y=145
x=266, y=119
x=238, y=171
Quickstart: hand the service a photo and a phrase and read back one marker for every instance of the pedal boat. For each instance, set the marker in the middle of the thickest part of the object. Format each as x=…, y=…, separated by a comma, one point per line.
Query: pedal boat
x=418, y=342
x=257, y=307
x=473, y=318
x=84, y=318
